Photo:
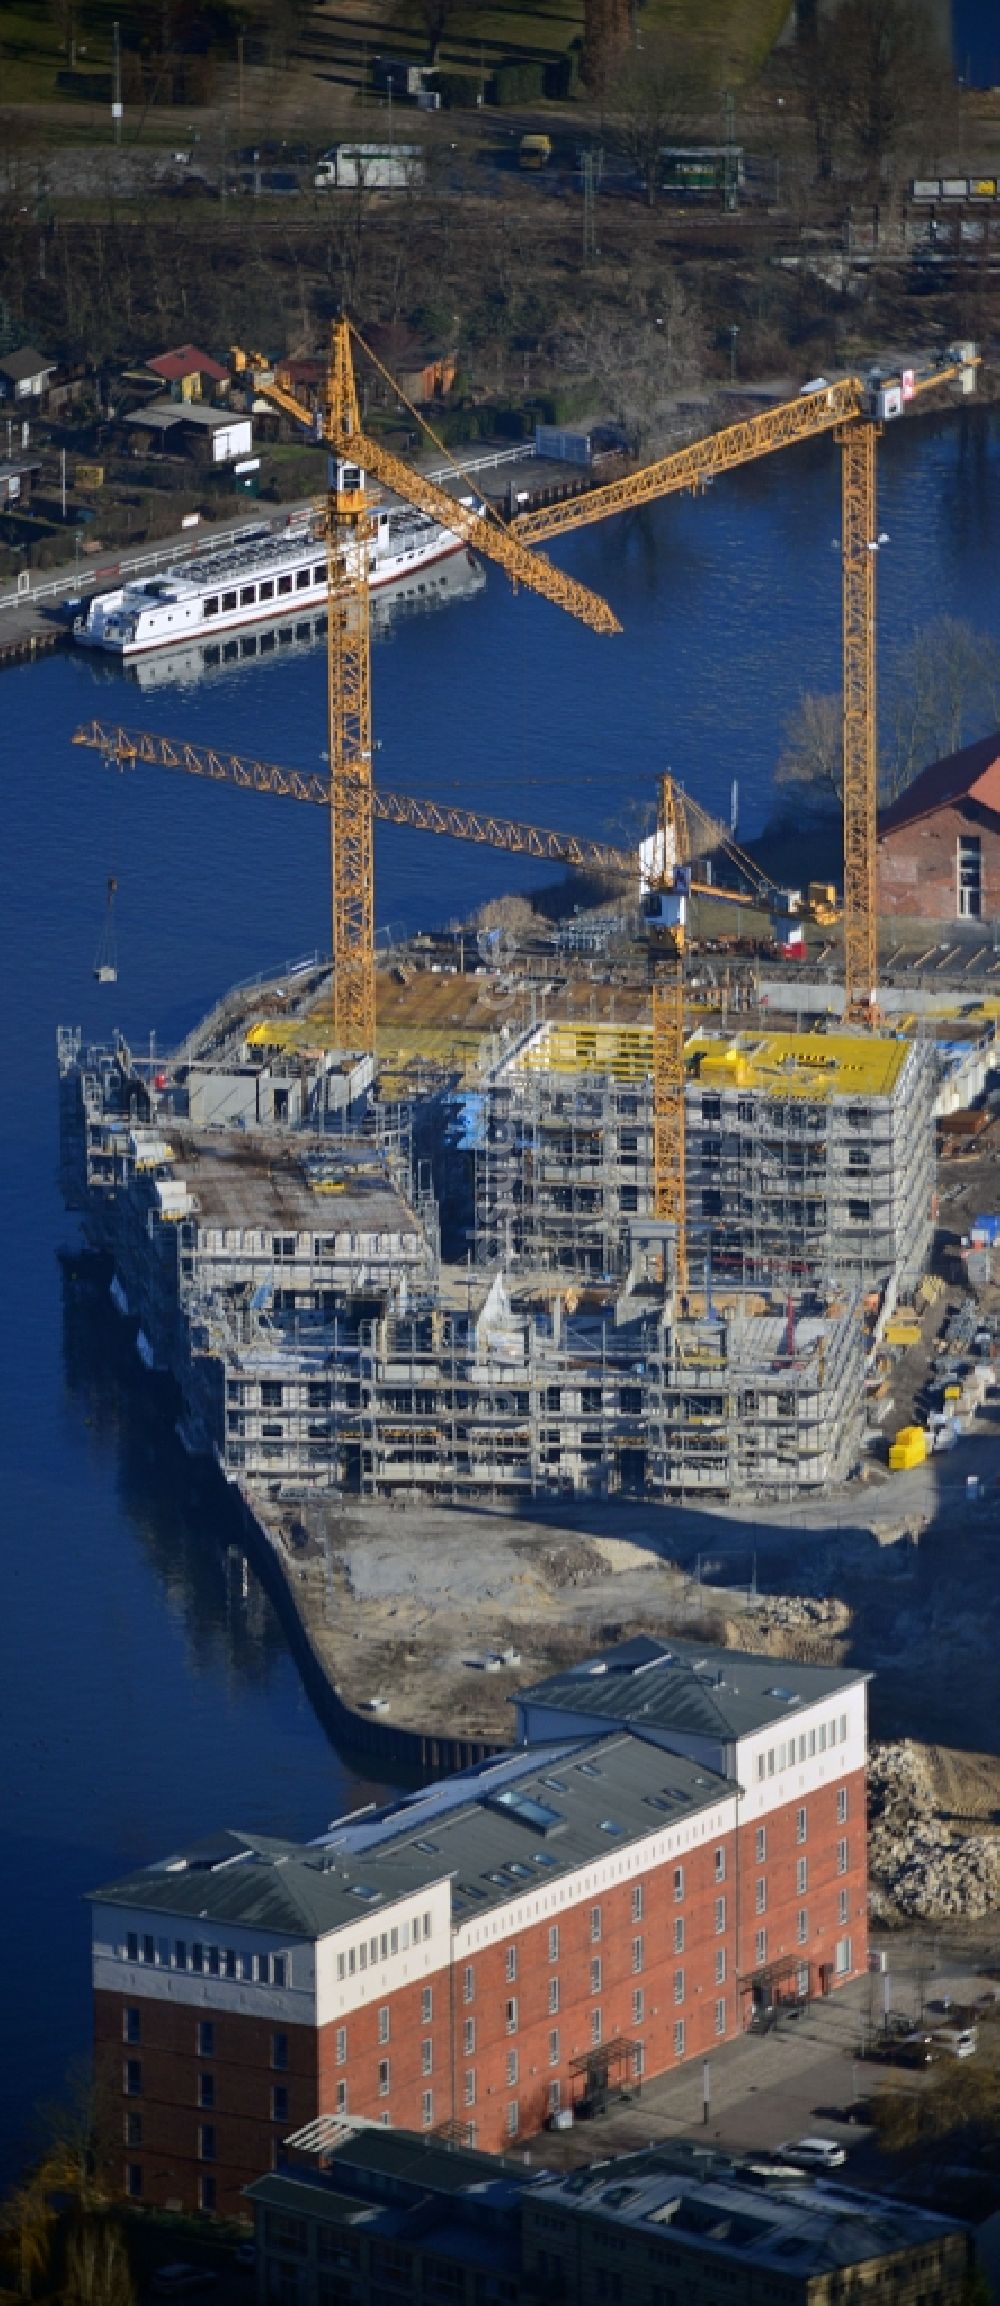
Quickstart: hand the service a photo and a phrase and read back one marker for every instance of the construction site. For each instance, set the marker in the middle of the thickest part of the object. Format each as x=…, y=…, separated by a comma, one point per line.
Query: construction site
x=482, y=1226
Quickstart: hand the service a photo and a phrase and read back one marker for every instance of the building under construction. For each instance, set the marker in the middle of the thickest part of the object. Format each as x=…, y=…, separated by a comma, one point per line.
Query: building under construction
x=809, y=1156
x=279, y=1252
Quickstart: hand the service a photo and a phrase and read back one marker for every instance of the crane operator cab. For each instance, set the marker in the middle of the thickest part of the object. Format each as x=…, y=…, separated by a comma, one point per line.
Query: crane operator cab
x=665, y=910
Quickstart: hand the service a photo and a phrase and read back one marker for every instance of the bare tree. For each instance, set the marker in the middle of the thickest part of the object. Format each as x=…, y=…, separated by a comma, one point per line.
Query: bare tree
x=873, y=76
x=661, y=91
x=97, y=2267
x=811, y=755
x=945, y=691
x=634, y=360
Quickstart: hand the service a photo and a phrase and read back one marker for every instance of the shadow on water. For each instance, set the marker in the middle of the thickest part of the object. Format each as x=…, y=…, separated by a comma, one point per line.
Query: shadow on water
x=215, y=1571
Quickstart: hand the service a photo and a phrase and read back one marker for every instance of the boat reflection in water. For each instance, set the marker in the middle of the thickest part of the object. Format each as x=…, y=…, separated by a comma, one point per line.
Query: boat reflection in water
x=458, y=578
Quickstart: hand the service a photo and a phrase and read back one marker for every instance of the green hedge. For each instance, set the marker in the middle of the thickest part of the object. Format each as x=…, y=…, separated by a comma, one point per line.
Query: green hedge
x=515, y=82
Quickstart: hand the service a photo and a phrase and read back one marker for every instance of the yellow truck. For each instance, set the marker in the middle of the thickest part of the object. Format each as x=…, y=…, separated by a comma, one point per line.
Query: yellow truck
x=534, y=151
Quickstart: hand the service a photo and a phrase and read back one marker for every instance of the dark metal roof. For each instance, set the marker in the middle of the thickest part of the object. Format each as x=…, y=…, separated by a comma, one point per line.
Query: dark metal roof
x=687, y=1689
x=495, y=1833
x=970, y=775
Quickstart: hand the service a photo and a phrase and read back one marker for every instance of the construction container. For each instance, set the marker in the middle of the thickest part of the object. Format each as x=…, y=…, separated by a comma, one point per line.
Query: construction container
x=908, y=1449
x=902, y=1332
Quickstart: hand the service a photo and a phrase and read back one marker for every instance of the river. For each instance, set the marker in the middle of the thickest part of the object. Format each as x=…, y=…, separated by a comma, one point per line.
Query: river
x=146, y=1688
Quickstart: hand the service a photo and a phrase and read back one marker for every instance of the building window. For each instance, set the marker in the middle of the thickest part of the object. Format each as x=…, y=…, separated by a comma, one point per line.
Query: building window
x=638, y=1901
x=510, y=1964
x=760, y=1895
x=340, y=2046
x=638, y=1955
x=206, y=2091
x=340, y=2099
x=206, y=2141
x=802, y=1926
x=969, y=864
x=801, y=1825
x=206, y=2191
x=511, y=2069
x=469, y=2037
x=206, y=2038
x=595, y=1925
x=383, y=2077
x=679, y=1934
x=842, y=1957
x=279, y=2103
x=678, y=1985
x=720, y=2015
x=720, y=1917
x=132, y=2129
x=843, y=1914
x=554, y=2046
x=470, y=2085
x=468, y=1985
x=678, y=1883
x=133, y=2180
x=132, y=2077
x=513, y=2118
x=554, y=2097
x=841, y=1805
x=720, y=1965
x=638, y=2006
x=427, y=2006
x=553, y=1996
x=595, y=1975
x=678, y=2037
x=383, y=2024
x=427, y=2109
x=132, y=2025
x=842, y=1857
x=554, y=1943
x=801, y=1875
x=761, y=1844
x=427, y=2055
x=596, y=2027
x=720, y=1865
x=760, y=1947
x=510, y=2017
x=132, y=1946
x=149, y=1949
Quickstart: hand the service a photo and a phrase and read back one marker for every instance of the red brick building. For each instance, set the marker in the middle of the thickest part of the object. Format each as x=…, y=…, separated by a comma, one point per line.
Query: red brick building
x=678, y=1843
x=939, y=844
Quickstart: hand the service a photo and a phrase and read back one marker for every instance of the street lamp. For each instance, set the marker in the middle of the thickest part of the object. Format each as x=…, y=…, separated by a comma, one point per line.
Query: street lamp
x=733, y=334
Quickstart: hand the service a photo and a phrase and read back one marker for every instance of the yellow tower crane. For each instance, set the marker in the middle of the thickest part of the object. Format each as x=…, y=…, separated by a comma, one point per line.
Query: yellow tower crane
x=348, y=532
x=683, y=831
x=854, y=409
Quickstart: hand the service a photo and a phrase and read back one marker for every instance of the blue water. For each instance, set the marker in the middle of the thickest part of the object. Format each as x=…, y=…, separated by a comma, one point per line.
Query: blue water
x=145, y=1695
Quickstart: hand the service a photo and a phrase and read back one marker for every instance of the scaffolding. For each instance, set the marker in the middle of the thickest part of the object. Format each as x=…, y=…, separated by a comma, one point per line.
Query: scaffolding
x=810, y=1156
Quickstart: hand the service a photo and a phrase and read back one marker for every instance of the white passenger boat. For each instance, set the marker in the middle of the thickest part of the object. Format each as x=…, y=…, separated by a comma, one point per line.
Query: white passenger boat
x=265, y=574
x=216, y=656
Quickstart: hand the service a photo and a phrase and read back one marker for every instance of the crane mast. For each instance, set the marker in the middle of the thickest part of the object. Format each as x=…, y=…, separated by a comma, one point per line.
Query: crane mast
x=666, y=914
x=348, y=529
x=859, y=550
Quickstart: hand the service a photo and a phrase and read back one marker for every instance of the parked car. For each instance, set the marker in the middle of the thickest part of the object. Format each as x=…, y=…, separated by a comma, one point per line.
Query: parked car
x=814, y=2154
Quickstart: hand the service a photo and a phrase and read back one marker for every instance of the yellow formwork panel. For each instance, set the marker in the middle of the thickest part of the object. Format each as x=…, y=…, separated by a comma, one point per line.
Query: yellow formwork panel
x=773, y=1064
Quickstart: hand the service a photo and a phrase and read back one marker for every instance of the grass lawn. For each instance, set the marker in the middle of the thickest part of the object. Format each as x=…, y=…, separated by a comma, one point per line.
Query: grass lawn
x=739, y=33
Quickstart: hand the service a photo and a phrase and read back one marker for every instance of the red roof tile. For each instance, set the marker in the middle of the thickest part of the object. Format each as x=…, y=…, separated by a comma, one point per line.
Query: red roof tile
x=186, y=360
x=971, y=775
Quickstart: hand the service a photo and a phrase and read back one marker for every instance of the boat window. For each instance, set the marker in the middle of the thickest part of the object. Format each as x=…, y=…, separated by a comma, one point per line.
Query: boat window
x=301, y=580
x=267, y=590
x=319, y=576
x=212, y=606
x=284, y=584
x=248, y=594
x=229, y=600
